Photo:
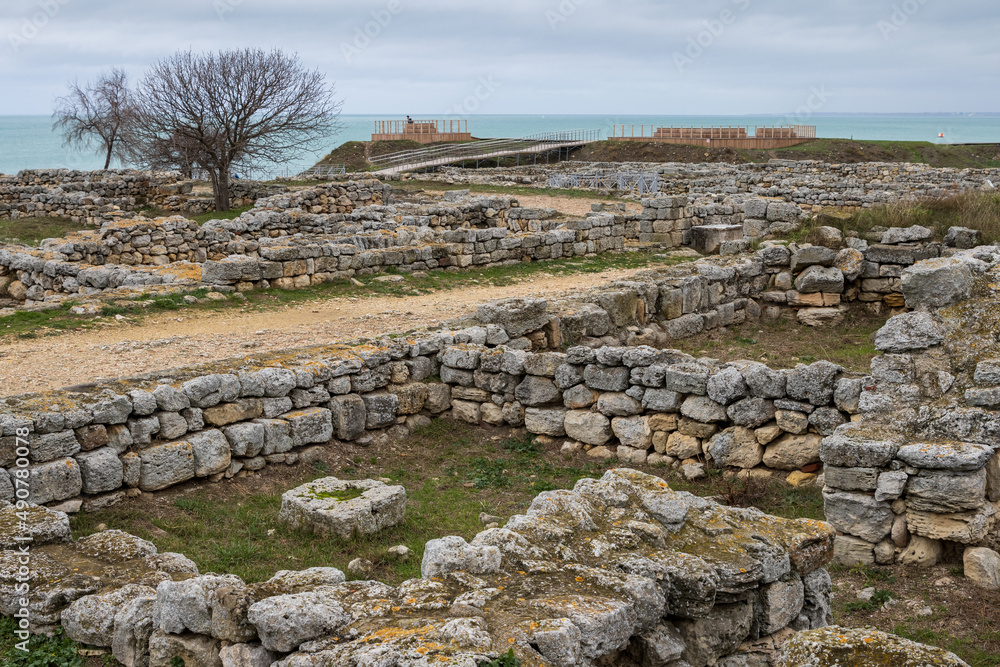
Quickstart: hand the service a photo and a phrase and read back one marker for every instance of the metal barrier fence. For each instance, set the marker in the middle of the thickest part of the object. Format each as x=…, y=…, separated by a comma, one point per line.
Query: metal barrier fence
x=640, y=183
x=488, y=148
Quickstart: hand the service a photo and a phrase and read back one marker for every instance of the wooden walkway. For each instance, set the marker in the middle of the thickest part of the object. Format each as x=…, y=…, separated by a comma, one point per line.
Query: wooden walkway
x=397, y=163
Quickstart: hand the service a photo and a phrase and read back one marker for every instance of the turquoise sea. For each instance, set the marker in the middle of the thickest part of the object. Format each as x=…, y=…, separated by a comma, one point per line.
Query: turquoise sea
x=27, y=142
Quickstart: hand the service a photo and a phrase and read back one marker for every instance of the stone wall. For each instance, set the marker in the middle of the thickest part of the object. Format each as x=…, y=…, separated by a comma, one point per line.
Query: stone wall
x=93, y=197
x=918, y=475
x=618, y=569
x=807, y=183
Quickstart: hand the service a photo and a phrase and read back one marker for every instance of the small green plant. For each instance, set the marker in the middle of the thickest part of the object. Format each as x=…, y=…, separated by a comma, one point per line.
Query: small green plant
x=490, y=474
x=508, y=660
x=55, y=651
x=521, y=446
x=177, y=661
x=877, y=600
x=341, y=496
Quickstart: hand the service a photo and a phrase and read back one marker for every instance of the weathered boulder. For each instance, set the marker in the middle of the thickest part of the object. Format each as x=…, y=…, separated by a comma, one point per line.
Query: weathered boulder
x=346, y=508
x=982, y=568
x=284, y=622
x=591, y=428
x=896, y=235
x=792, y=452
x=91, y=619
x=516, y=316
x=820, y=279
x=938, y=282
x=858, y=514
x=737, y=447
x=834, y=646
x=453, y=554
x=908, y=332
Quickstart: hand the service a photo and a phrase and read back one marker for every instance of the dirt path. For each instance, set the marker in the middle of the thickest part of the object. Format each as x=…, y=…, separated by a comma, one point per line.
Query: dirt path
x=179, y=339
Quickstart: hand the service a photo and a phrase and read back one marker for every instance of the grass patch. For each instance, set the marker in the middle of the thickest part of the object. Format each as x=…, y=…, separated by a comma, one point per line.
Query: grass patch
x=32, y=231
x=975, y=210
x=452, y=472
x=962, y=619
x=784, y=343
x=56, y=651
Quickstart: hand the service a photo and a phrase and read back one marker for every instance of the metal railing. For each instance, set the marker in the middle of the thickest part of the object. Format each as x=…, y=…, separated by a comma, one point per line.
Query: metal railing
x=641, y=183
x=323, y=171
x=484, y=149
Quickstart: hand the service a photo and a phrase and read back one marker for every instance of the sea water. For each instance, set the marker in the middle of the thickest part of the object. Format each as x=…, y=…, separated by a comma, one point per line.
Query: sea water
x=28, y=142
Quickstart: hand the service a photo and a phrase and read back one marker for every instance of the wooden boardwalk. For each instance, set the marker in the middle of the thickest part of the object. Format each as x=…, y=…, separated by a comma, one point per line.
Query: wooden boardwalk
x=398, y=163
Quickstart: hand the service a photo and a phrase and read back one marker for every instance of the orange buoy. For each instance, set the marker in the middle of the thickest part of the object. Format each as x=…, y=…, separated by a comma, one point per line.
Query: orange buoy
x=940, y=135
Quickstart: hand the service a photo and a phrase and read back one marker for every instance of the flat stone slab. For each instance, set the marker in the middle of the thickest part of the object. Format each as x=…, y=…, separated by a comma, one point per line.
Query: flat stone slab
x=346, y=508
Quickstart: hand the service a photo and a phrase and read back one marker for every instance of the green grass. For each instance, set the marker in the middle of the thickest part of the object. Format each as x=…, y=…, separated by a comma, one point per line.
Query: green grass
x=784, y=343
x=32, y=231
x=452, y=472
x=969, y=648
x=57, y=651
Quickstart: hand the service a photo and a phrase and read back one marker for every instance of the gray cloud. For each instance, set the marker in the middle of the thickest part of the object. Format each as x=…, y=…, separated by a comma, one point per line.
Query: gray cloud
x=549, y=56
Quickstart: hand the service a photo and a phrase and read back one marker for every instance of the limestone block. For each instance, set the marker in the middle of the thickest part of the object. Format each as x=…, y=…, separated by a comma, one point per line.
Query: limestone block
x=345, y=508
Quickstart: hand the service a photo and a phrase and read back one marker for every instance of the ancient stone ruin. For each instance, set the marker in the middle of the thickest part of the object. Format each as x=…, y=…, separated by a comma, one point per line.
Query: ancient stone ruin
x=621, y=568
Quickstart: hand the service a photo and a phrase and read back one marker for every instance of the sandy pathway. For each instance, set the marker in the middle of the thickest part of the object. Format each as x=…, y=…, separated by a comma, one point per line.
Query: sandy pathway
x=179, y=339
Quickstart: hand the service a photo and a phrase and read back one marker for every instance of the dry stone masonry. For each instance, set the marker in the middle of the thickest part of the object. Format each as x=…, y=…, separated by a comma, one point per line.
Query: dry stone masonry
x=94, y=197
x=806, y=182
x=620, y=565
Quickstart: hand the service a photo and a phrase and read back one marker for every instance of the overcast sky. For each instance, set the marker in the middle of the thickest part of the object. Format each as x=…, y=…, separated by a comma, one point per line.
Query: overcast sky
x=542, y=56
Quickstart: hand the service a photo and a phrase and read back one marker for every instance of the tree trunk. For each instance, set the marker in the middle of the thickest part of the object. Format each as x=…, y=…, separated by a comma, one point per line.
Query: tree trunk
x=107, y=160
x=222, y=190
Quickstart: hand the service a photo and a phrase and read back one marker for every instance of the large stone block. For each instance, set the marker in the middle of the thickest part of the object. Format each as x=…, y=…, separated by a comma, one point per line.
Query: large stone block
x=908, y=332
x=588, y=427
x=54, y=480
x=546, y=421
x=412, y=397
x=792, y=452
x=517, y=316
x=277, y=436
x=938, y=282
x=858, y=514
x=211, y=452
x=707, y=239
x=101, y=470
x=345, y=508
x=230, y=413
x=310, y=426
x=166, y=464
x=737, y=447
x=350, y=415
x=381, y=409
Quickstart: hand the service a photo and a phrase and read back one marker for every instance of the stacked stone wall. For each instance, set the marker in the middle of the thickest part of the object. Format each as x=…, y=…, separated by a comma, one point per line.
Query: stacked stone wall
x=94, y=197
x=807, y=183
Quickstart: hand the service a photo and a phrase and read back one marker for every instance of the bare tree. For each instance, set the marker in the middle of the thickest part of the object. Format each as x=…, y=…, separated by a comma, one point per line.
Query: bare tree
x=245, y=107
x=96, y=113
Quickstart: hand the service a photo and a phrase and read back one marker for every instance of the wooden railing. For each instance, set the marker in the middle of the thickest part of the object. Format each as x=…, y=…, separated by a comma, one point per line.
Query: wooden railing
x=421, y=127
